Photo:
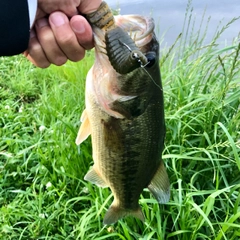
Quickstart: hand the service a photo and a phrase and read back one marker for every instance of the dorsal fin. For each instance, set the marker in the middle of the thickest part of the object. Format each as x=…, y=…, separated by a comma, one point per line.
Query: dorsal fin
x=160, y=186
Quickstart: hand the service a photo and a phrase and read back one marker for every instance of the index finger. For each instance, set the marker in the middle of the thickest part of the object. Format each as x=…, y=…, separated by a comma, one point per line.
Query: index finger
x=83, y=31
x=87, y=6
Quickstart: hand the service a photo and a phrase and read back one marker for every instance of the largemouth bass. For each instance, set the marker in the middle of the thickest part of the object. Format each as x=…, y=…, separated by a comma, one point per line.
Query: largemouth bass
x=124, y=112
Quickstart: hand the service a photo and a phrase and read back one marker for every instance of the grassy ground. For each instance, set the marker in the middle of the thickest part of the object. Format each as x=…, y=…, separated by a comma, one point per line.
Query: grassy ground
x=42, y=192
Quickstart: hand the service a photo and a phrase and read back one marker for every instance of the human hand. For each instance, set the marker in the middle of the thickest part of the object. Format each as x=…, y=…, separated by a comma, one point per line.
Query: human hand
x=55, y=39
x=69, y=7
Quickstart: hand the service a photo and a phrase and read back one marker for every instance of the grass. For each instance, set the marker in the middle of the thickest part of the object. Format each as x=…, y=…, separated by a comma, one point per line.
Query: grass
x=42, y=191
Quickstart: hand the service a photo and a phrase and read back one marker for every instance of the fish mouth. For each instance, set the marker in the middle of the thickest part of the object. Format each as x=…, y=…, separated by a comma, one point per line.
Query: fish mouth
x=139, y=28
x=126, y=43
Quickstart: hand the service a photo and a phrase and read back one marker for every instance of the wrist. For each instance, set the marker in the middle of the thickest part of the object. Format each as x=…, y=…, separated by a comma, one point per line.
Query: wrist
x=32, y=9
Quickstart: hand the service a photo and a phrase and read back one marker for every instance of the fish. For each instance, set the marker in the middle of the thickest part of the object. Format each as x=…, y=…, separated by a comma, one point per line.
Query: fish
x=124, y=112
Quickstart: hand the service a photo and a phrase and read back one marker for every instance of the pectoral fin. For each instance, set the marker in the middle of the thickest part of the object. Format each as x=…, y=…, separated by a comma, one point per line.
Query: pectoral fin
x=85, y=128
x=160, y=186
x=130, y=107
x=93, y=177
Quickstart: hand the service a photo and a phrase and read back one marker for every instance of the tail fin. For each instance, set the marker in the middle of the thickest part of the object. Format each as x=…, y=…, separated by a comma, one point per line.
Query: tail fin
x=115, y=213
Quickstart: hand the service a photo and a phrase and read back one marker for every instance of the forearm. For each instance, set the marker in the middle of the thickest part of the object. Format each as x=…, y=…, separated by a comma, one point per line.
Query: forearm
x=16, y=19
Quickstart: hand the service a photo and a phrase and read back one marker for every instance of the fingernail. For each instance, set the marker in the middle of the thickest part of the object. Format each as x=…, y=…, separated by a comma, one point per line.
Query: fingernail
x=57, y=19
x=78, y=27
x=42, y=22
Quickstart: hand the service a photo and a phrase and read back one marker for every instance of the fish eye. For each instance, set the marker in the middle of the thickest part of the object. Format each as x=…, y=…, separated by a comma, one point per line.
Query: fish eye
x=151, y=57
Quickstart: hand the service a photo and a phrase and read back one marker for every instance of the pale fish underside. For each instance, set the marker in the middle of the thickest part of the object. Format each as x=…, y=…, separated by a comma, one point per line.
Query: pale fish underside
x=124, y=112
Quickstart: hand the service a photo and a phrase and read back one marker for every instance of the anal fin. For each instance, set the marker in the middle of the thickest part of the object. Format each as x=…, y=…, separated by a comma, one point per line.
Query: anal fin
x=160, y=186
x=93, y=177
x=85, y=128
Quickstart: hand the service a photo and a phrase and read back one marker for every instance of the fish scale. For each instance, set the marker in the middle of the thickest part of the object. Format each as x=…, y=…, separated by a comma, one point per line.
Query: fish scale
x=124, y=112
